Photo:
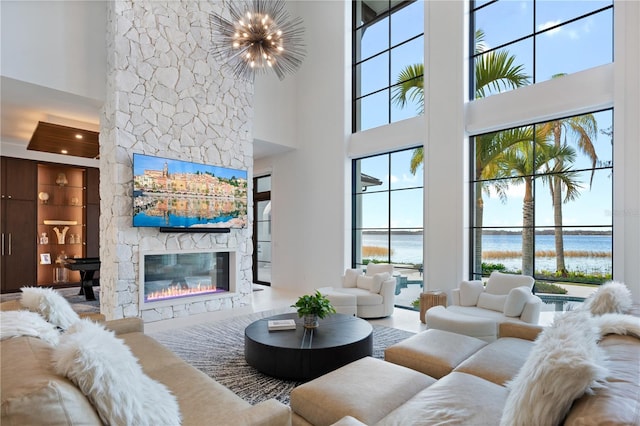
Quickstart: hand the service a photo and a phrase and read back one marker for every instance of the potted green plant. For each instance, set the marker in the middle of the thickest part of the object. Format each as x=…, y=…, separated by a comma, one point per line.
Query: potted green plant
x=313, y=306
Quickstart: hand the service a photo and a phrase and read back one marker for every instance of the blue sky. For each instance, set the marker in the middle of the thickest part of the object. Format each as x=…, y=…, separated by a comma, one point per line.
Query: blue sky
x=145, y=162
x=579, y=45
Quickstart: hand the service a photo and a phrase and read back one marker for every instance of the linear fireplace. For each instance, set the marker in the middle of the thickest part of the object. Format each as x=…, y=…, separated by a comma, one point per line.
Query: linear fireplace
x=168, y=278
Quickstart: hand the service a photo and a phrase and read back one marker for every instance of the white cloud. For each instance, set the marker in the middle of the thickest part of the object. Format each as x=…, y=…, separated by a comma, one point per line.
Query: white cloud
x=550, y=24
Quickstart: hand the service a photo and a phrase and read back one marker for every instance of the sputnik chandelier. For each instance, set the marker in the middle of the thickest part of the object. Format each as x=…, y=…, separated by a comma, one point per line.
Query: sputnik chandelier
x=260, y=36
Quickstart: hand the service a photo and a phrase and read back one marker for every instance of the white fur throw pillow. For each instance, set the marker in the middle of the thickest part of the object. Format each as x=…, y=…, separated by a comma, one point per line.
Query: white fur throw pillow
x=611, y=298
x=50, y=304
x=105, y=370
x=565, y=363
x=26, y=323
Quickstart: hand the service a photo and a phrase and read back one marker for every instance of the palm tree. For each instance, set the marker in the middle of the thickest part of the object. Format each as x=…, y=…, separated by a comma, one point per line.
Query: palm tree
x=523, y=161
x=581, y=130
x=494, y=71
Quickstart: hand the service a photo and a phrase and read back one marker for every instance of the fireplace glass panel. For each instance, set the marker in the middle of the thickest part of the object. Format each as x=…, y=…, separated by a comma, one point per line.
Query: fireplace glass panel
x=176, y=275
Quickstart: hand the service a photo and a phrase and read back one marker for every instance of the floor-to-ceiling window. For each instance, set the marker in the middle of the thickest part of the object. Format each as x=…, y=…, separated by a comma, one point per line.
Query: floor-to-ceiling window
x=388, y=217
x=388, y=62
x=541, y=194
x=542, y=197
x=262, y=230
x=537, y=40
x=388, y=76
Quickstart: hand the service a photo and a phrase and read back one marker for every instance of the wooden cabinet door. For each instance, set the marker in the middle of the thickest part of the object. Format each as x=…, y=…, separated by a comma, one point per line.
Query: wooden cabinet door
x=18, y=244
x=18, y=179
x=93, y=212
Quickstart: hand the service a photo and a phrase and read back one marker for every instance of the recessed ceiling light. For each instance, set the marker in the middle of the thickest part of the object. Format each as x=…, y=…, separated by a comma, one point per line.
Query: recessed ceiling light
x=64, y=151
x=78, y=136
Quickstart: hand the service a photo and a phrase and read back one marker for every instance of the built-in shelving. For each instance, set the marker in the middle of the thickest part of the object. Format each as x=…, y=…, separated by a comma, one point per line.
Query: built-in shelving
x=61, y=221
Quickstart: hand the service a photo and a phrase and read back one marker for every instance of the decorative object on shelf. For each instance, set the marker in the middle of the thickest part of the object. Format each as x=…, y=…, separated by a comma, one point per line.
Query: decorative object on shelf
x=60, y=273
x=62, y=179
x=45, y=259
x=44, y=238
x=310, y=307
x=44, y=197
x=260, y=35
x=60, y=222
x=61, y=234
x=75, y=201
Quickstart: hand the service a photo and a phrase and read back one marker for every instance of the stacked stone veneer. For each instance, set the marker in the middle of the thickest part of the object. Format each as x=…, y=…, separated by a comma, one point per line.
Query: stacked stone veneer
x=166, y=96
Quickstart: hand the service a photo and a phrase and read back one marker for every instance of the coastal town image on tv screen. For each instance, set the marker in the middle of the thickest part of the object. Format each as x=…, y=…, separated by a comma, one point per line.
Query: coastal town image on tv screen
x=182, y=194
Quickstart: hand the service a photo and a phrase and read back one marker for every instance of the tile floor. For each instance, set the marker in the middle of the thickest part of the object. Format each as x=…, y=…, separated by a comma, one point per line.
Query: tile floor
x=268, y=298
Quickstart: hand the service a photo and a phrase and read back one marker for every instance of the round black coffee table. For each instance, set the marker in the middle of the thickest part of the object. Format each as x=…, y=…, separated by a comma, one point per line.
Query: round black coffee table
x=304, y=354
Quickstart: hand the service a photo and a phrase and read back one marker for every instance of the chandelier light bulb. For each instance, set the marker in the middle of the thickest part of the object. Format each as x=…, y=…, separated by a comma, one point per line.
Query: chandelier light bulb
x=259, y=35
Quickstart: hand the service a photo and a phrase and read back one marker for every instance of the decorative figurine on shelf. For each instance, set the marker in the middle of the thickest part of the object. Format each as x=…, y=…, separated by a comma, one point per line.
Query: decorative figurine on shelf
x=44, y=238
x=75, y=201
x=60, y=273
x=44, y=197
x=61, y=235
x=62, y=179
x=72, y=239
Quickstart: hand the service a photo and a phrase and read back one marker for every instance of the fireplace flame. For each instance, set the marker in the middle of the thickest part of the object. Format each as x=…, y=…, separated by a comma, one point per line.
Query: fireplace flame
x=178, y=291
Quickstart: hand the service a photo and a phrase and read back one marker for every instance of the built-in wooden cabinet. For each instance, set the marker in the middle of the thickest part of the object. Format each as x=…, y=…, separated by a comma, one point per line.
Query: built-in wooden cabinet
x=18, y=217
x=49, y=211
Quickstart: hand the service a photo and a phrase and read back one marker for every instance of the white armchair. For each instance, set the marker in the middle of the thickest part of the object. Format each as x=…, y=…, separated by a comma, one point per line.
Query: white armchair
x=368, y=295
x=477, y=310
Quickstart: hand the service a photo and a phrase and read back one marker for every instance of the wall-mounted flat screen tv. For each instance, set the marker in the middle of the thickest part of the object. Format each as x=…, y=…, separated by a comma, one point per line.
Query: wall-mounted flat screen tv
x=181, y=194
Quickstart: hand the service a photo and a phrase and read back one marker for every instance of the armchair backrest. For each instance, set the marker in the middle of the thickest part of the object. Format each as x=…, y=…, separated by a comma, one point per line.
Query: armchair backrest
x=501, y=283
x=378, y=268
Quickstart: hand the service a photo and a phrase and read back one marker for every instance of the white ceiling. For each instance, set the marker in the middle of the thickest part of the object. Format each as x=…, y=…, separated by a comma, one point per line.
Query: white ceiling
x=24, y=104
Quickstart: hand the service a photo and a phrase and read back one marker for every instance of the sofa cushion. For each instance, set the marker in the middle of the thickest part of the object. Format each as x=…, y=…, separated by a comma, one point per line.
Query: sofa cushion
x=499, y=361
x=378, y=279
x=516, y=299
x=50, y=304
x=469, y=292
x=456, y=399
x=351, y=277
x=564, y=363
x=112, y=379
x=377, y=268
x=33, y=393
x=27, y=323
x=349, y=391
x=364, y=282
x=617, y=403
x=501, y=283
x=433, y=352
x=494, y=302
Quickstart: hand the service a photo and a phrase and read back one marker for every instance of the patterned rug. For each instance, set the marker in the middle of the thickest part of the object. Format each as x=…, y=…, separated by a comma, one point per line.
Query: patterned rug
x=217, y=349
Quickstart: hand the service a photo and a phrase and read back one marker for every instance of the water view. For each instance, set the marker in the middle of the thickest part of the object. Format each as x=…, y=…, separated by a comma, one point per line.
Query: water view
x=407, y=249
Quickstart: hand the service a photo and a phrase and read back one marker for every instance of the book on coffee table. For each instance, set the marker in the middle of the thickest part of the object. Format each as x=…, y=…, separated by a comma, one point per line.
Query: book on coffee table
x=287, y=324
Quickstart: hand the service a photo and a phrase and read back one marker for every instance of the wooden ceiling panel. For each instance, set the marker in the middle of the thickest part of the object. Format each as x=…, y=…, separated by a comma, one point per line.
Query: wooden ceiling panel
x=55, y=138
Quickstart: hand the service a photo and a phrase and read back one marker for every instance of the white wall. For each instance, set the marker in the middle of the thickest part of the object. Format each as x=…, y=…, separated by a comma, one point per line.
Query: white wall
x=310, y=184
x=304, y=258
x=56, y=44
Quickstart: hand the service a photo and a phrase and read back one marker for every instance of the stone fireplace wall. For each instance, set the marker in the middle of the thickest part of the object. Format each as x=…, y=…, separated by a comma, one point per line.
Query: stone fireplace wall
x=166, y=96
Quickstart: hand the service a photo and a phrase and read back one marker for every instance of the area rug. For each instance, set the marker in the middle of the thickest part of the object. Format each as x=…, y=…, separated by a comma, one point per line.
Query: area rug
x=217, y=349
